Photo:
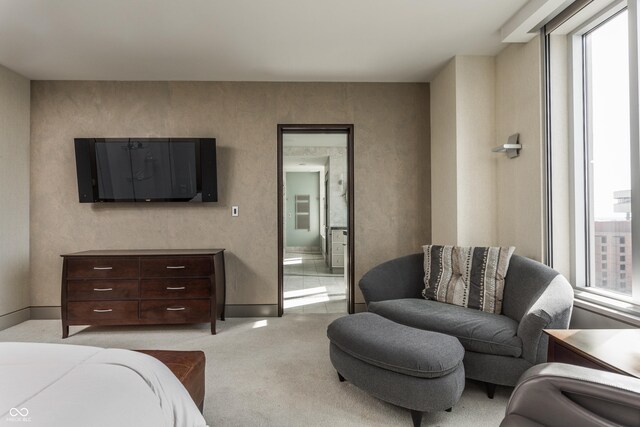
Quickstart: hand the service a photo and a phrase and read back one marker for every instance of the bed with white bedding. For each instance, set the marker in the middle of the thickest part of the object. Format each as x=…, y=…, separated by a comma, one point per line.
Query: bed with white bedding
x=70, y=385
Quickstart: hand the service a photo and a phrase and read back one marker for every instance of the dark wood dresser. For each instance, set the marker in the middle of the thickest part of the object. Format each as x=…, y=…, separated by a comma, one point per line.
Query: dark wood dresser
x=142, y=287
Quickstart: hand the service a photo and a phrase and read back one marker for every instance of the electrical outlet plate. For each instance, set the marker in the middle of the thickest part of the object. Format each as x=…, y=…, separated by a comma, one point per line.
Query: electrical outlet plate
x=234, y=211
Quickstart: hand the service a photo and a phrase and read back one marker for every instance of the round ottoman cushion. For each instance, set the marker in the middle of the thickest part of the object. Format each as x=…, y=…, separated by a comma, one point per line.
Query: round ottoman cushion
x=389, y=345
x=412, y=368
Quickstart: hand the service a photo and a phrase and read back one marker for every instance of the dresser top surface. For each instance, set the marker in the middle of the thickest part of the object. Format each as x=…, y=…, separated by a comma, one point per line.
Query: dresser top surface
x=618, y=348
x=143, y=252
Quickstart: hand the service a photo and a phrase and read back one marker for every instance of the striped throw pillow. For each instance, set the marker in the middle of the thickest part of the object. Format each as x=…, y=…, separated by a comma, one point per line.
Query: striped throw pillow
x=471, y=276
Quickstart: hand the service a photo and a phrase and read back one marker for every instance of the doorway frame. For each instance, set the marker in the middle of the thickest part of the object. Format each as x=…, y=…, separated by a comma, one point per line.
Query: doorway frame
x=347, y=129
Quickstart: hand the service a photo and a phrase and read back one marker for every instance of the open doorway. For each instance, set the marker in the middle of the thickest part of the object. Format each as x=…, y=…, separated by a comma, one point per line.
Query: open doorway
x=315, y=219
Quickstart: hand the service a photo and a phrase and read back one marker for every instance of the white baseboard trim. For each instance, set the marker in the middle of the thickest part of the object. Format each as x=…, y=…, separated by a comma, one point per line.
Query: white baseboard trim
x=304, y=249
x=14, y=318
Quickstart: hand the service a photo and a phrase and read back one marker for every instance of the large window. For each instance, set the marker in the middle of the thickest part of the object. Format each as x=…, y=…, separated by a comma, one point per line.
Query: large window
x=592, y=119
x=606, y=140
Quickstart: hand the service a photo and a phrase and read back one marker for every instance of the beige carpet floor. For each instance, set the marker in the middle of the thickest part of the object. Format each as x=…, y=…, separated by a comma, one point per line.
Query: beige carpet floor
x=271, y=372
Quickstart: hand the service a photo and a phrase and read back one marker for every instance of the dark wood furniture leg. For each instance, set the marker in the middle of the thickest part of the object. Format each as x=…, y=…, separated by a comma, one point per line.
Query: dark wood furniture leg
x=63, y=300
x=416, y=416
x=220, y=284
x=491, y=390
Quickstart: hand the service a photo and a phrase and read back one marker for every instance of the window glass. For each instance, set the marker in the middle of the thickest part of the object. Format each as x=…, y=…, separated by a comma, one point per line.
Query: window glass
x=606, y=60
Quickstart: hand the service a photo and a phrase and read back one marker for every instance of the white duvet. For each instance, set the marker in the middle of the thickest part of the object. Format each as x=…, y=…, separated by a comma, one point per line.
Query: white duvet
x=70, y=385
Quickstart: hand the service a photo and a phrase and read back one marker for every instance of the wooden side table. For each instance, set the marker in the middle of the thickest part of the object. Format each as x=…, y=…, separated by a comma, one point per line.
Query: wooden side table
x=188, y=367
x=613, y=350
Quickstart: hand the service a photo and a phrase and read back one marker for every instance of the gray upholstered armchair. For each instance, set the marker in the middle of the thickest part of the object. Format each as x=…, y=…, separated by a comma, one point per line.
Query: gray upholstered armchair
x=558, y=395
x=498, y=348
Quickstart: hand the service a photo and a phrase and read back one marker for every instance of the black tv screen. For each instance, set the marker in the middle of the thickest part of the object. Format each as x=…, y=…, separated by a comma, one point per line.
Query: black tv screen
x=146, y=169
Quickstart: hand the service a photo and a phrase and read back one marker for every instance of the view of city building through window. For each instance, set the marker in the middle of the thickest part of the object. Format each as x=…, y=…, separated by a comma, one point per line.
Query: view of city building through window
x=608, y=146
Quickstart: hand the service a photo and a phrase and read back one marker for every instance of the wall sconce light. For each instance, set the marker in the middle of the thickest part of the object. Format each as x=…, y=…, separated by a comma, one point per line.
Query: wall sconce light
x=512, y=147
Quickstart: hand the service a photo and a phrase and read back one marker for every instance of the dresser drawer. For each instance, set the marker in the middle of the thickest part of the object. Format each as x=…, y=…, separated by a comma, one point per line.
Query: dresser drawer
x=337, y=248
x=176, y=267
x=112, y=268
x=337, y=236
x=95, y=312
x=175, y=311
x=337, y=260
x=175, y=288
x=101, y=289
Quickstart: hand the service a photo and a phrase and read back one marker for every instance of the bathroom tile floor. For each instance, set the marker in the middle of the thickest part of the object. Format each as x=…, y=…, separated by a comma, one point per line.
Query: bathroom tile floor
x=310, y=287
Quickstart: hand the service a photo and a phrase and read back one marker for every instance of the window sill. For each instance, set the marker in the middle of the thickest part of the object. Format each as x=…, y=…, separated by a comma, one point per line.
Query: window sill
x=609, y=307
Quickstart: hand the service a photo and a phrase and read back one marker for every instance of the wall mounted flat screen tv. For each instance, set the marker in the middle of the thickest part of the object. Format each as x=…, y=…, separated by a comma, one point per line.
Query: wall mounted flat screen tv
x=146, y=170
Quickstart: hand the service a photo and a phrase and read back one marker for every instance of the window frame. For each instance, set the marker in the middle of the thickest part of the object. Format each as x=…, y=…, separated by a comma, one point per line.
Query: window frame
x=582, y=266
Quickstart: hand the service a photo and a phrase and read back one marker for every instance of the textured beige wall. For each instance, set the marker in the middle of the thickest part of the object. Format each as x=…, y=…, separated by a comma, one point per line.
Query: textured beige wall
x=476, y=165
x=14, y=191
x=444, y=169
x=520, y=184
x=463, y=176
x=392, y=170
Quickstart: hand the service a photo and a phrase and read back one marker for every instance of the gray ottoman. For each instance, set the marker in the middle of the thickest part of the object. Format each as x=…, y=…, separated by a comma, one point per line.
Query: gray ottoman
x=412, y=368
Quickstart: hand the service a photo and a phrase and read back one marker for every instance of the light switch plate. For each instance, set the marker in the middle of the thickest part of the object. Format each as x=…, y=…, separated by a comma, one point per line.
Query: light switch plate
x=234, y=211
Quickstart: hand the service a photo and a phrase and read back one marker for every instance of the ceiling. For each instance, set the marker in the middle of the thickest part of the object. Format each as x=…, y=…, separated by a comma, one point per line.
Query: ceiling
x=311, y=160
x=246, y=40
x=290, y=139
x=315, y=161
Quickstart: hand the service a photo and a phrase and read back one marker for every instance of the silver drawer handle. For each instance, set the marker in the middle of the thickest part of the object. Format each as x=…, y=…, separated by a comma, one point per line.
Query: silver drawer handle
x=101, y=310
x=103, y=268
x=175, y=308
x=176, y=288
x=102, y=289
x=176, y=267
